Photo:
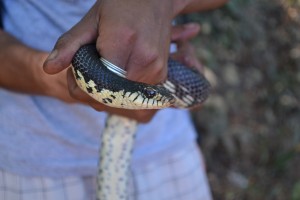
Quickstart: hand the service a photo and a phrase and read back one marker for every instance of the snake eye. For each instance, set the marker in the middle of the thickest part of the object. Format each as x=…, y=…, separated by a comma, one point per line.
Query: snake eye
x=149, y=92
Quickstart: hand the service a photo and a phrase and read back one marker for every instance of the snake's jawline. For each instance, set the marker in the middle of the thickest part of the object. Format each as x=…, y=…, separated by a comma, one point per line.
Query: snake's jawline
x=190, y=87
x=113, y=99
x=87, y=62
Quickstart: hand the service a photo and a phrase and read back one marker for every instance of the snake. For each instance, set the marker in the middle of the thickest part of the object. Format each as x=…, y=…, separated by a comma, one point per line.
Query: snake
x=183, y=88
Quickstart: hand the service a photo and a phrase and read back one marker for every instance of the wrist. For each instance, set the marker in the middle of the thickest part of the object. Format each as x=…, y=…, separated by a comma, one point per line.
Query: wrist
x=31, y=75
x=21, y=69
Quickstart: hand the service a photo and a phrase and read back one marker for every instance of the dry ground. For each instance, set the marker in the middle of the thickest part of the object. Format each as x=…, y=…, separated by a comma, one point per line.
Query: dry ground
x=250, y=127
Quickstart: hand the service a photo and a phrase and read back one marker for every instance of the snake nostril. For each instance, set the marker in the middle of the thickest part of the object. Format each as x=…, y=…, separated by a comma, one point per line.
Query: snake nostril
x=149, y=92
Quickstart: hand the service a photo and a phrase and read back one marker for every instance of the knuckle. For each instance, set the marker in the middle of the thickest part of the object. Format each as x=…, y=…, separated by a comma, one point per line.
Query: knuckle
x=64, y=40
x=159, y=70
x=145, y=56
x=128, y=35
x=150, y=63
x=152, y=56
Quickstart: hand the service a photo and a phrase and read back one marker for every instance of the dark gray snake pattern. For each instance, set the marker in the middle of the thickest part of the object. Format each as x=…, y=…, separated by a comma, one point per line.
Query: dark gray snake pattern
x=183, y=88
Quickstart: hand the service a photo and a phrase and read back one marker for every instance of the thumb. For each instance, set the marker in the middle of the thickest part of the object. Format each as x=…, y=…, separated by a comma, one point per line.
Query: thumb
x=83, y=32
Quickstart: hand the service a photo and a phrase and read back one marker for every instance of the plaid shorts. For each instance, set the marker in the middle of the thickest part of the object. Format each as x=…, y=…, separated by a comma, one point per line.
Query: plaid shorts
x=180, y=176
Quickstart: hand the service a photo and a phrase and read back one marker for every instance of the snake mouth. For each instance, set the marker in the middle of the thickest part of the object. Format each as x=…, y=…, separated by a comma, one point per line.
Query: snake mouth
x=140, y=96
x=147, y=98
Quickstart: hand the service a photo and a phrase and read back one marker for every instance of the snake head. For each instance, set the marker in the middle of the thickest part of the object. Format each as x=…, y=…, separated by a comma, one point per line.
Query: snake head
x=143, y=96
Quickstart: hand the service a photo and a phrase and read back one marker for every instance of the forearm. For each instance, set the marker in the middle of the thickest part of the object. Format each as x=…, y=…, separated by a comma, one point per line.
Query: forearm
x=21, y=70
x=18, y=71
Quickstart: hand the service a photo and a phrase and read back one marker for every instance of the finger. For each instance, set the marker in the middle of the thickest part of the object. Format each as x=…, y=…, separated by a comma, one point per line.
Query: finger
x=186, y=55
x=85, y=31
x=148, y=61
x=148, y=66
x=184, y=32
x=115, y=43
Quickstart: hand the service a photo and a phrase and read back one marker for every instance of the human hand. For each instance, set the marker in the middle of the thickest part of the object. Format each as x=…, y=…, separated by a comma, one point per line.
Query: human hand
x=141, y=47
x=185, y=50
x=55, y=85
x=186, y=53
x=138, y=46
x=180, y=34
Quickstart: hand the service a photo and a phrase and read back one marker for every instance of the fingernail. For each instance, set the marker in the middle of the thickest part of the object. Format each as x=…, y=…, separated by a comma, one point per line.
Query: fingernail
x=52, y=55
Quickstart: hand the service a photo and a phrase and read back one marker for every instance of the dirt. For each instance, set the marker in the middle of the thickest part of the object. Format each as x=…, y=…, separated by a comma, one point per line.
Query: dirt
x=250, y=127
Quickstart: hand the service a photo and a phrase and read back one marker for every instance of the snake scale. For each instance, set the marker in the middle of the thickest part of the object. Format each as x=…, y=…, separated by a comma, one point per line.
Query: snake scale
x=184, y=88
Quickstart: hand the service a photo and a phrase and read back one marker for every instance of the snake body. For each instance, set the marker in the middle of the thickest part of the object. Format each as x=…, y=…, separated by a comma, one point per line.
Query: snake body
x=112, y=90
x=183, y=88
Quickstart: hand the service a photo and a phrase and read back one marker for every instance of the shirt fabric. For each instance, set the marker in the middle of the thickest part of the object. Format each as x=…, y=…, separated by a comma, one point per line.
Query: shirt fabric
x=181, y=176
